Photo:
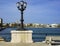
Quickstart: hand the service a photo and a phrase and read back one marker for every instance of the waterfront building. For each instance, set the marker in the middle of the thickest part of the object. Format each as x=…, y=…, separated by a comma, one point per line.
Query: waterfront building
x=26, y=25
x=10, y=24
x=48, y=26
x=36, y=25
x=13, y=25
x=43, y=25
x=29, y=25
x=54, y=25
x=4, y=24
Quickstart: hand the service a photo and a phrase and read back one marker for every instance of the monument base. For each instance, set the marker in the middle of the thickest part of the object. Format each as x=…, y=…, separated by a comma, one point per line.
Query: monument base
x=21, y=36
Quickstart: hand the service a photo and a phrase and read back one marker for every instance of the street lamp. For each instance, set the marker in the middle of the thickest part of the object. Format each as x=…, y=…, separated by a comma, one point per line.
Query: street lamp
x=21, y=6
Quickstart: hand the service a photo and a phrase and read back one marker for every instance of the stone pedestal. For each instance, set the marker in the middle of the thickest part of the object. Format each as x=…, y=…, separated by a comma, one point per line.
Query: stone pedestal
x=21, y=36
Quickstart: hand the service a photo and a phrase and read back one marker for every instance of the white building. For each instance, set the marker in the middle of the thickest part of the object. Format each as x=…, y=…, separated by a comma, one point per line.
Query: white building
x=36, y=25
x=54, y=25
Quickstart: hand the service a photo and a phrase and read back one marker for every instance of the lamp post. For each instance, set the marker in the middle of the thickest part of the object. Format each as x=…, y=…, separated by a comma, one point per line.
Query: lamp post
x=21, y=6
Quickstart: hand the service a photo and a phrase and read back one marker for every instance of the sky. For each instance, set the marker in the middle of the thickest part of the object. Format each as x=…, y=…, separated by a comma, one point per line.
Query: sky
x=37, y=11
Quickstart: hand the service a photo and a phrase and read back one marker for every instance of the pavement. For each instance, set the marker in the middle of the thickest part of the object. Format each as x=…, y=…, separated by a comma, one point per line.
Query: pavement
x=23, y=44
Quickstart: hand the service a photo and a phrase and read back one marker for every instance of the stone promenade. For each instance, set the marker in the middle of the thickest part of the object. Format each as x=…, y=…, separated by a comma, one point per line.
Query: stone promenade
x=23, y=44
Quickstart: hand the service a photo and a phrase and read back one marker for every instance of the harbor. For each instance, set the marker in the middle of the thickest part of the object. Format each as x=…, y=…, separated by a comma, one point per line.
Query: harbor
x=40, y=26
x=39, y=37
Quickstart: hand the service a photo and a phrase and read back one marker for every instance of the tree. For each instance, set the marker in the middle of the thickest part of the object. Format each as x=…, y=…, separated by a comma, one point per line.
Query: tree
x=58, y=26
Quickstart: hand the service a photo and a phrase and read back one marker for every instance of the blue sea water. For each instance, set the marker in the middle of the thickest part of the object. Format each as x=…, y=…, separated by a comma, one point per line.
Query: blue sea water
x=39, y=34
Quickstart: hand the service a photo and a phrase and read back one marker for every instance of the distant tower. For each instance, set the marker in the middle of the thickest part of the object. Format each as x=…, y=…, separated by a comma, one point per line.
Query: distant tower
x=1, y=22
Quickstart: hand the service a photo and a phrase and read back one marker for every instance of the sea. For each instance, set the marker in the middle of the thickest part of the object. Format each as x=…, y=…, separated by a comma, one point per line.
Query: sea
x=39, y=34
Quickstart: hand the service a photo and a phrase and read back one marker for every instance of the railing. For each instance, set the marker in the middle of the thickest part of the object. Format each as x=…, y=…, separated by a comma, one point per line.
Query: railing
x=35, y=36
